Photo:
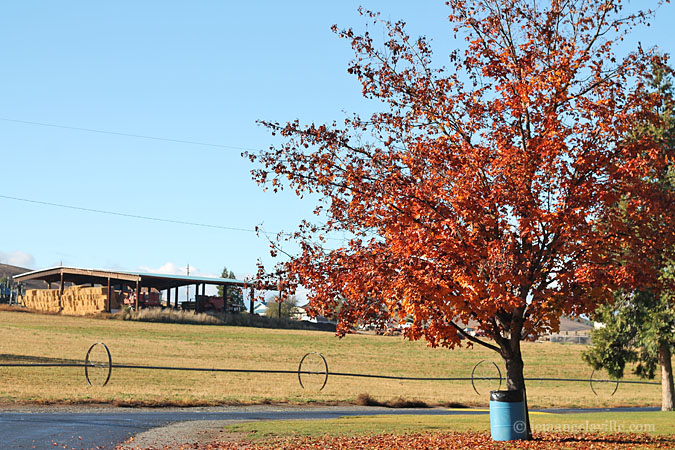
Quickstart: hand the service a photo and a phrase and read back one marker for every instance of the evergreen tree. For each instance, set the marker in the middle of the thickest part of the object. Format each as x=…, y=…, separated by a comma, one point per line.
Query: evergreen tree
x=233, y=294
x=640, y=325
x=639, y=328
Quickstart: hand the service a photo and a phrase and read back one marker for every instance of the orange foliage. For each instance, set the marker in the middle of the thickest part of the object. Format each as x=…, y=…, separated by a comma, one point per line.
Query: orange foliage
x=450, y=441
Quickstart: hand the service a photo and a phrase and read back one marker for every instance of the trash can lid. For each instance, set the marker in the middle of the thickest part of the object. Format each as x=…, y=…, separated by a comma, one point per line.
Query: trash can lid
x=506, y=396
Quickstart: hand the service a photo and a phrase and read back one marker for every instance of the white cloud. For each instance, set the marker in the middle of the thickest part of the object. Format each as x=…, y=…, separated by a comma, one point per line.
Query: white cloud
x=166, y=269
x=18, y=258
x=170, y=268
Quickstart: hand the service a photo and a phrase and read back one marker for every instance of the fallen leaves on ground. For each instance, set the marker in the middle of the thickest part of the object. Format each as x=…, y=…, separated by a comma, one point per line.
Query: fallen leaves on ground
x=447, y=441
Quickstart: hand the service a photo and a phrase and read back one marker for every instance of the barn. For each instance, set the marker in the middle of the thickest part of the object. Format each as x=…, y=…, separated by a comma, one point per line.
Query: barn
x=83, y=291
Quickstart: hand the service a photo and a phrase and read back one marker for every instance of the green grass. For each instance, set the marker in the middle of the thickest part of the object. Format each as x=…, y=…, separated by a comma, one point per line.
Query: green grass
x=36, y=336
x=358, y=425
x=656, y=423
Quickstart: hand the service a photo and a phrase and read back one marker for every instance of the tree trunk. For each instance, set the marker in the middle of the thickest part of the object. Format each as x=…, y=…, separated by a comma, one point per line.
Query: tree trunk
x=515, y=379
x=667, y=391
x=514, y=373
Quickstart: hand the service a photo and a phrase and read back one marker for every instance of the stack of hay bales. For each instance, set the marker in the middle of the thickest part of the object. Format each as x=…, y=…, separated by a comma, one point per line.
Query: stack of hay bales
x=41, y=299
x=86, y=300
x=77, y=300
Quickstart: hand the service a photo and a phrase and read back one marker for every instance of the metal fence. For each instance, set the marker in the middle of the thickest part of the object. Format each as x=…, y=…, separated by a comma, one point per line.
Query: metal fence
x=98, y=366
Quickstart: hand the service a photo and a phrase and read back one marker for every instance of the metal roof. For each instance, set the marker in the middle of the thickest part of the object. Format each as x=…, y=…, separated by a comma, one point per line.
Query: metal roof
x=158, y=281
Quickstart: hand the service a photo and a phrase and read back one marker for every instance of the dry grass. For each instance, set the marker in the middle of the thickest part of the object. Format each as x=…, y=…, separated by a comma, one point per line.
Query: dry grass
x=142, y=343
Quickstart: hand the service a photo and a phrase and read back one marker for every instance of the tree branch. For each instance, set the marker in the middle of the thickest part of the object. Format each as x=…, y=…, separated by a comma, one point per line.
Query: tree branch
x=474, y=338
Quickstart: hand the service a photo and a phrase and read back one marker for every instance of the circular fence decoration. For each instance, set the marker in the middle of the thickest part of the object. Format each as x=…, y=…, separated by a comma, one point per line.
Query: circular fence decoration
x=313, y=371
x=602, y=387
x=485, y=375
x=98, y=365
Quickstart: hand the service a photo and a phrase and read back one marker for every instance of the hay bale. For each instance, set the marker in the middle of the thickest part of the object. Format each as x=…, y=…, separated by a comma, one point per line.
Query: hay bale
x=41, y=299
x=75, y=299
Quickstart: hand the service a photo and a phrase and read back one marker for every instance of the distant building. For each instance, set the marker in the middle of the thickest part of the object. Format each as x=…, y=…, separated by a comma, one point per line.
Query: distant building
x=301, y=314
x=572, y=331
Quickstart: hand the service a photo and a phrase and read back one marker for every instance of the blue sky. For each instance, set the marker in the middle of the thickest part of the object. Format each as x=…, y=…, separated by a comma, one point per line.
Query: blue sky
x=201, y=71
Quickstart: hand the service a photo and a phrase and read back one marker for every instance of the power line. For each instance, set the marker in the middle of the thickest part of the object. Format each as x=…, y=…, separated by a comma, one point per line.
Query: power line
x=136, y=216
x=117, y=133
x=120, y=214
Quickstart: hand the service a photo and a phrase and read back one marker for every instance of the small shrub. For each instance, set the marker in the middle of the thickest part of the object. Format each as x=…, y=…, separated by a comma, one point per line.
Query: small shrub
x=169, y=315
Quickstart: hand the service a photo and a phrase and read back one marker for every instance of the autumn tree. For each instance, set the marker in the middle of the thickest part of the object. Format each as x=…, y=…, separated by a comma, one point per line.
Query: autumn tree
x=480, y=191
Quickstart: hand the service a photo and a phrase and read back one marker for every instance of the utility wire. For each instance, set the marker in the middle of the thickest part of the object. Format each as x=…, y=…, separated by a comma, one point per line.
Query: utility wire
x=120, y=214
x=117, y=133
x=135, y=216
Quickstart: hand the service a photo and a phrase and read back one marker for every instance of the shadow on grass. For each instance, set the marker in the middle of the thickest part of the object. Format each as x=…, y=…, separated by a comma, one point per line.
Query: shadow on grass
x=26, y=359
x=400, y=402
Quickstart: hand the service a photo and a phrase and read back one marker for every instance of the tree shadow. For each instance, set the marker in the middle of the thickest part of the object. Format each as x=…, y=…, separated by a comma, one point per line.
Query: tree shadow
x=26, y=359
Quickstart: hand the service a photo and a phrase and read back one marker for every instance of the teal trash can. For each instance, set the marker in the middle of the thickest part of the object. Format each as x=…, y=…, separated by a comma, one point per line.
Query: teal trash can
x=507, y=416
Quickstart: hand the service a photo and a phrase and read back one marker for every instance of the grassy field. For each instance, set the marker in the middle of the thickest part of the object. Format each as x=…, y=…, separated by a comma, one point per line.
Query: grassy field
x=598, y=431
x=654, y=423
x=44, y=338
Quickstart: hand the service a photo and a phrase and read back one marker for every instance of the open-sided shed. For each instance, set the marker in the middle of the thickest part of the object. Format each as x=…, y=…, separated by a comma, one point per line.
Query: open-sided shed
x=135, y=281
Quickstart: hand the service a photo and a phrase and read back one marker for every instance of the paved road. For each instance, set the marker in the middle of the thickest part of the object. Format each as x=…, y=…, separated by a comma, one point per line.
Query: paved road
x=104, y=428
